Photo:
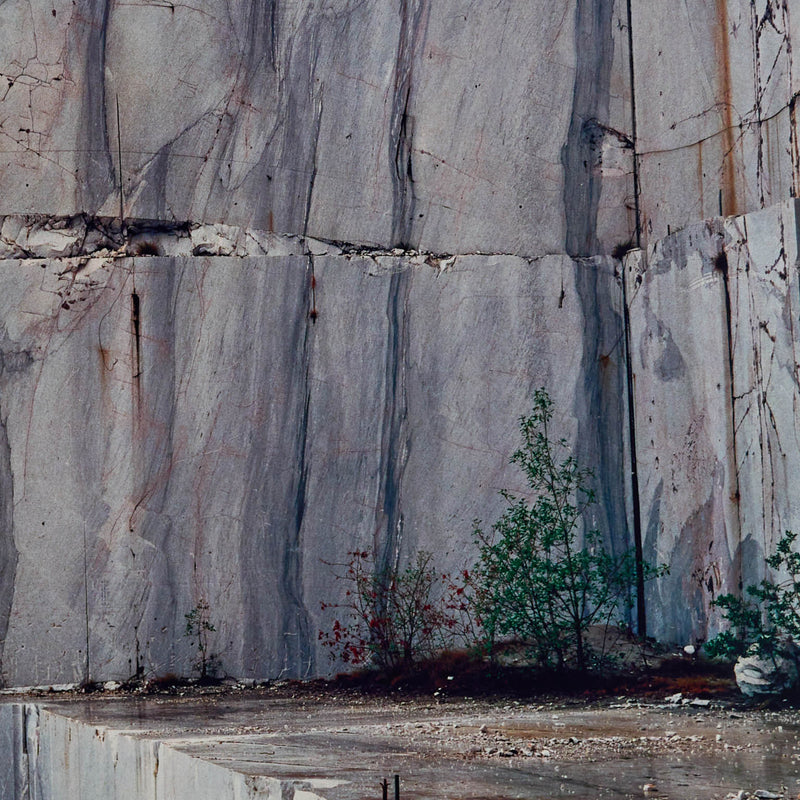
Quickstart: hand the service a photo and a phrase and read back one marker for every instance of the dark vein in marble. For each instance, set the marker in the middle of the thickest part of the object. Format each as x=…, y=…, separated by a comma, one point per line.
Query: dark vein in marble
x=600, y=406
x=395, y=437
x=97, y=175
x=9, y=556
x=413, y=23
x=277, y=631
x=582, y=153
x=298, y=650
x=154, y=403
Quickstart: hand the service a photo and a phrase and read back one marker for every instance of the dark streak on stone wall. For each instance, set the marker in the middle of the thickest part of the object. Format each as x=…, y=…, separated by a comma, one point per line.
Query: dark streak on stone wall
x=97, y=179
x=395, y=442
x=12, y=360
x=600, y=407
x=298, y=650
x=154, y=400
x=581, y=154
x=8, y=550
x=276, y=631
x=413, y=21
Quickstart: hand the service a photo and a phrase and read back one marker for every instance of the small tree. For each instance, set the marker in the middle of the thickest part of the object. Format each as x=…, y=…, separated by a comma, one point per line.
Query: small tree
x=198, y=628
x=768, y=617
x=536, y=578
x=395, y=617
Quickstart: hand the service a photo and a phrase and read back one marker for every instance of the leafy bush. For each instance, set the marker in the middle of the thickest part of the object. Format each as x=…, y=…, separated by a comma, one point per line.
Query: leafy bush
x=198, y=627
x=537, y=579
x=768, y=616
x=395, y=617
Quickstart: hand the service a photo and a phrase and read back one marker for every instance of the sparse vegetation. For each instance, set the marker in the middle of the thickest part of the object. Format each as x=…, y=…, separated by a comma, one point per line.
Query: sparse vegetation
x=538, y=579
x=396, y=617
x=766, y=620
x=198, y=629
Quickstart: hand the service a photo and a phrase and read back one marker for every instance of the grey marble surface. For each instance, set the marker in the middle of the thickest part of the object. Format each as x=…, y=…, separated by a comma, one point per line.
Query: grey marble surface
x=180, y=428
x=494, y=128
x=715, y=84
x=715, y=362
x=684, y=436
x=438, y=126
x=762, y=253
x=175, y=423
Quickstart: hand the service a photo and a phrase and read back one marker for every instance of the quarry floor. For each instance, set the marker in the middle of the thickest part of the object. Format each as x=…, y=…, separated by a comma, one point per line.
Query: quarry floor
x=341, y=747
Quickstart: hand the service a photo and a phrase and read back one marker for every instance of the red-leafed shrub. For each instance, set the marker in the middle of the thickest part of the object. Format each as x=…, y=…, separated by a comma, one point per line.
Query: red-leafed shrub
x=393, y=617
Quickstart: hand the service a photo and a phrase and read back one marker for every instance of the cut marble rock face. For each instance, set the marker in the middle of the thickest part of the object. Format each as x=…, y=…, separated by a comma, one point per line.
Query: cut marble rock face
x=228, y=445
x=416, y=124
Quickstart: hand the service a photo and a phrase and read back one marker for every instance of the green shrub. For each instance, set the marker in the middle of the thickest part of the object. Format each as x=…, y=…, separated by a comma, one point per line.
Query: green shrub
x=537, y=578
x=198, y=627
x=768, y=616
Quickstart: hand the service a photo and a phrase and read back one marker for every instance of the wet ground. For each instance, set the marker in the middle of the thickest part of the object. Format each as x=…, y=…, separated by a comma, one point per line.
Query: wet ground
x=342, y=747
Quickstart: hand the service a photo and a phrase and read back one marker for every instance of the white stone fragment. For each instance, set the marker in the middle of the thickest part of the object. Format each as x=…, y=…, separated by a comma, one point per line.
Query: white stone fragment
x=764, y=676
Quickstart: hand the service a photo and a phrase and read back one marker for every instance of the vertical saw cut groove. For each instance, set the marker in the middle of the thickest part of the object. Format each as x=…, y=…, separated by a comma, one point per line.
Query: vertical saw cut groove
x=135, y=319
x=728, y=202
x=634, y=135
x=721, y=264
x=641, y=608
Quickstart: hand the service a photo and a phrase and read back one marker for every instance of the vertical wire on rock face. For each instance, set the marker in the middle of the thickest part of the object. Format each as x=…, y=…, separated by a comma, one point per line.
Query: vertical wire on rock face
x=638, y=544
x=634, y=131
x=636, y=509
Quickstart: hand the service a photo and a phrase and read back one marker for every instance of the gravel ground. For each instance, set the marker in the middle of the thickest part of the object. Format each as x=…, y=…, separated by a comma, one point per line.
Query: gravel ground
x=658, y=746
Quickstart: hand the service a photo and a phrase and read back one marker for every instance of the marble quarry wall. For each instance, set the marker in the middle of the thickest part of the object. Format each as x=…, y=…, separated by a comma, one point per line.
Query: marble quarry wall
x=278, y=278
x=715, y=87
x=713, y=328
x=421, y=124
x=178, y=428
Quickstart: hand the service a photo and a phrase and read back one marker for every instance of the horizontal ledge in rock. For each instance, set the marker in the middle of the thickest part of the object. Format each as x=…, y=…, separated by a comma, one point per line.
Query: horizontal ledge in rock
x=38, y=236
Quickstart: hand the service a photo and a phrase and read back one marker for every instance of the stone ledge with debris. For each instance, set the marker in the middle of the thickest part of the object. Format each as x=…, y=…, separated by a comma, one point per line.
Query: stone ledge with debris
x=309, y=743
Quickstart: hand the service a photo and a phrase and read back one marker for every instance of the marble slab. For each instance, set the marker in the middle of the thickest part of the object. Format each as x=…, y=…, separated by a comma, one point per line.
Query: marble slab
x=714, y=354
x=762, y=256
x=714, y=87
x=419, y=124
x=684, y=434
x=178, y=429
